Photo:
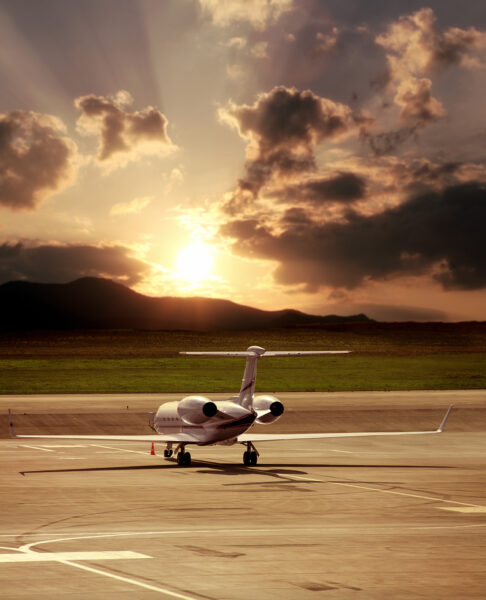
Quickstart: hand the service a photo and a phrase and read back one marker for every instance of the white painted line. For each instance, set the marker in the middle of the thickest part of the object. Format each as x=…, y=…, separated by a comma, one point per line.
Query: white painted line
x=122, y=449
x=63, y=556
x=373, y=489
x=220, y=532
x=36, y=448
x=65, y=445
x=302, y=478
x=141, y=584
x=465, y=509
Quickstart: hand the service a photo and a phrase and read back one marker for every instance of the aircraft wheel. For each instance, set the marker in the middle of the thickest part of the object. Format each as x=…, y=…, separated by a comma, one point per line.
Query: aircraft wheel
x=253, y=458
x=170, y=453
x=180, y=459
x=247, y=458
x=166, y=453
x=187, y=459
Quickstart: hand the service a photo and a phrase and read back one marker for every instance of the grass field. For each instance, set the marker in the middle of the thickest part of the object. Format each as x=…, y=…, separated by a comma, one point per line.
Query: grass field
x=385, y=357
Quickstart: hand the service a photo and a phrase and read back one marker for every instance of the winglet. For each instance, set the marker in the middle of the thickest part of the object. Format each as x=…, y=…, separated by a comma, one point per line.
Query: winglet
x=444, y=420
x=10, y=424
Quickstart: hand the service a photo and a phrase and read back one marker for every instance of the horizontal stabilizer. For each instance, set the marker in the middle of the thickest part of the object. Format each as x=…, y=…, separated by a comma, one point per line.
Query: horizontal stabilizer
x=277, y=353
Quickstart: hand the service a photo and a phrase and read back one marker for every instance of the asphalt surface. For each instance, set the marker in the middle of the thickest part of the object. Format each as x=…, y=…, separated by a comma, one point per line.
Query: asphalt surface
x=364, y=518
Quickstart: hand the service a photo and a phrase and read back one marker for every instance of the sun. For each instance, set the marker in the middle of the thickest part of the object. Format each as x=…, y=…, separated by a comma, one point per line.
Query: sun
x=195, y=262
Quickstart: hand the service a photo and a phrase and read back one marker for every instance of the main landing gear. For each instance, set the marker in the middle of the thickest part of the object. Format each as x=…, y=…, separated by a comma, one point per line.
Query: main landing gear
x=183, y=457
x=250, y=456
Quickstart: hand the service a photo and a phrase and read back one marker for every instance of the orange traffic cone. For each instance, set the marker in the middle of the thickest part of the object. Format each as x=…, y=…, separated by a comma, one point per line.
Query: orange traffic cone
x=152, y=451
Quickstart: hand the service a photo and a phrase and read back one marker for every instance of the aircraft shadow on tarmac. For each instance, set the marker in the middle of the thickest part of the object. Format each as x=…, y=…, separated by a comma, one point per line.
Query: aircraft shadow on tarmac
x=235, y=469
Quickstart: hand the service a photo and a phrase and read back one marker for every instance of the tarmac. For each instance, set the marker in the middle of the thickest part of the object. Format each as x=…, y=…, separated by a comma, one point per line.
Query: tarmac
x=362, y=518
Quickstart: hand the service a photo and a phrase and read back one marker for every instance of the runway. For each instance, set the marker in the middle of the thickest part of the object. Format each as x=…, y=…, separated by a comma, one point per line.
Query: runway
x=351, y=518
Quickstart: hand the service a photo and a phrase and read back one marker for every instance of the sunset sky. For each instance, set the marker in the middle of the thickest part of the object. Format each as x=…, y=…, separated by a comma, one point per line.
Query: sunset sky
x=323, y=155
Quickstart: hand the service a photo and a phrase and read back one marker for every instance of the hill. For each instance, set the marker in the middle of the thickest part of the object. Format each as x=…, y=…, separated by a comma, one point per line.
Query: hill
x=95, y=303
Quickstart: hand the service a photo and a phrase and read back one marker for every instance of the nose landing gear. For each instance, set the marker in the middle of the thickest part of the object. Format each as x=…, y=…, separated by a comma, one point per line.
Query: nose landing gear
x=250, y=456
x=168, y=450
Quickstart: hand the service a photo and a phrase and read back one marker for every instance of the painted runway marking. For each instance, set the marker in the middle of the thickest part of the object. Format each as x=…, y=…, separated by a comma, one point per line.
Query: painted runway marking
x=141, y=584
x=26, y=554
x=302, y=478
x=122, y=449
x=465, y=509
x=63, y=556
x=373, y=489
x=65, y=445
x=37, y=448
x=476, y=508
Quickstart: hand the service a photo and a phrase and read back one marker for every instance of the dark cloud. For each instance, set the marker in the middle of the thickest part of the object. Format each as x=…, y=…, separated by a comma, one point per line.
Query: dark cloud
x=341, y=187
x=284, y=127
x=287, y=118
x=36, y=158
x=279, y=162
x=64, y=263
x=120, y=131
x=439, y=233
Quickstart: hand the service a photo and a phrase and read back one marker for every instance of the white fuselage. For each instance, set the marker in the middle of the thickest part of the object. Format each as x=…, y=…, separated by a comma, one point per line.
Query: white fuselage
x=224, y=427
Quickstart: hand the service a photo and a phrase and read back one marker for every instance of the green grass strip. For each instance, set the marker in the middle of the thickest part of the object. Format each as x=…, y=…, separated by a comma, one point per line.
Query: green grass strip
x=194, y=375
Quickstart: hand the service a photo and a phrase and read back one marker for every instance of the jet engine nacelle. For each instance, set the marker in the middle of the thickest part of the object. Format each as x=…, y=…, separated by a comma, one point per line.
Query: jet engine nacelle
x=196, y=409
x=268, y=409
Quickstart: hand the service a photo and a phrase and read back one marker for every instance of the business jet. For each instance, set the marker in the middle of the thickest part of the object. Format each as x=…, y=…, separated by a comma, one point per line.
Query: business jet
x=200, y=421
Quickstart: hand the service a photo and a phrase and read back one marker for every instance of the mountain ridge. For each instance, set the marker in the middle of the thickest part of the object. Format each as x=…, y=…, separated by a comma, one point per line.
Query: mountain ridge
x=98, y=303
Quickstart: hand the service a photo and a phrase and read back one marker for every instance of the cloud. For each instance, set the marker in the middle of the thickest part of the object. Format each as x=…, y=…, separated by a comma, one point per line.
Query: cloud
x=326, y=41
x=131, y=208
x=56, y=263
x=418, y=108
x=437, y=234
x=122, y=135
x=414, y=46
x=259, y=50
x=416, y=102
x=345, y=187
x=259, y=13
x=286, y=118
x=37, y=158
x=283, y=128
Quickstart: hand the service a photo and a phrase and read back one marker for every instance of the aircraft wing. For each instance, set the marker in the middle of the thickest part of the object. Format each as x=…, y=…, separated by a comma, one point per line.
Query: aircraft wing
x=152, y=437
x=177, y=437
x=263, y=437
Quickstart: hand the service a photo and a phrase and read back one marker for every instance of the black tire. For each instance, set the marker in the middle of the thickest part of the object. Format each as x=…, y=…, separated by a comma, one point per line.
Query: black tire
x=187, y=459
x=247, y=458
x=253, y=458
x=169, y=453
x=180, y=459
x=166, y=454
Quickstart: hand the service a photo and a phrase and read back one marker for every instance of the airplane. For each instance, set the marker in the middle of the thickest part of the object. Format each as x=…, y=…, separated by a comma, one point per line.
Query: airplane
x=200, y=421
